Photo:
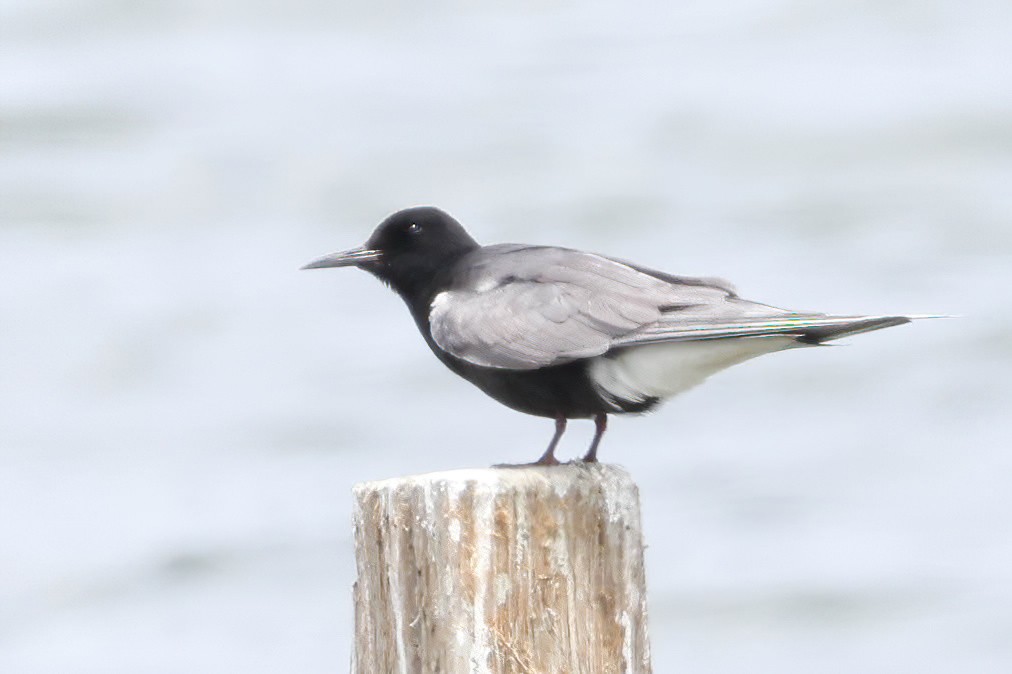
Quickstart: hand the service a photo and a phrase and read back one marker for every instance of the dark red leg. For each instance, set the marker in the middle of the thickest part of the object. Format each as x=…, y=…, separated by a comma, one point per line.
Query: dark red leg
x=600, y=426
x=548, y=458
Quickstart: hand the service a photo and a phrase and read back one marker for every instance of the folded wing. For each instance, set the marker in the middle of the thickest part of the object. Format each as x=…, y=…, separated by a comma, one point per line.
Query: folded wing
x=523, y=307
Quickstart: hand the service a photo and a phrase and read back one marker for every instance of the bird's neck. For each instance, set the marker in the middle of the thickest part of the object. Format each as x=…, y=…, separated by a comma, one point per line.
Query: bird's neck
x=418, y=281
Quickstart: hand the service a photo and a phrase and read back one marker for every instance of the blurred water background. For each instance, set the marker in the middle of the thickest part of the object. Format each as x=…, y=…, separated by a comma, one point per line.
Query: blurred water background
x=182, y=413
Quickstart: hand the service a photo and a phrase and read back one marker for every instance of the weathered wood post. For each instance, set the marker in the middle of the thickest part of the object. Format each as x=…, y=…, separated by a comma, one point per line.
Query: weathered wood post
x=505, y=570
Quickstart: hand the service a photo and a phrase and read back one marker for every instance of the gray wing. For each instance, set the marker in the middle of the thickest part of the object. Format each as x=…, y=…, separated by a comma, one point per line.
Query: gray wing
x=522, y=307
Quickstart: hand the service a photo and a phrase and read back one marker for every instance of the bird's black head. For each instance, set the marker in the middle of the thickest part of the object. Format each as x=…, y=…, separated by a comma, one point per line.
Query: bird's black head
x=407, y=250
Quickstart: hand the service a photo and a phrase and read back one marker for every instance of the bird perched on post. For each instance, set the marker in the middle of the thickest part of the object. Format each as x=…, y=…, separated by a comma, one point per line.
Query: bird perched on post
x=564, y=334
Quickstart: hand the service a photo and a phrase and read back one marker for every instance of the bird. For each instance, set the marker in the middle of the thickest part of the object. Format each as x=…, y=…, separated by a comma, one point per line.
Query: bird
x=565, y=334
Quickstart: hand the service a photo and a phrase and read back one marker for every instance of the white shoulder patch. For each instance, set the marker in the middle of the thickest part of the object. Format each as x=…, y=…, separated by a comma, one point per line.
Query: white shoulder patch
x=439, y=302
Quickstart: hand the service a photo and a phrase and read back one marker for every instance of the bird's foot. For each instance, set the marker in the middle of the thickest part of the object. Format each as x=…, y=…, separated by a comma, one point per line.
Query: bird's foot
x=545, y=460
x=549, y=457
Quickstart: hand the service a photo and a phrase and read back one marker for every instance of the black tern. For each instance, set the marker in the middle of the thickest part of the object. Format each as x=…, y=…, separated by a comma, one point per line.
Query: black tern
x=564, y=334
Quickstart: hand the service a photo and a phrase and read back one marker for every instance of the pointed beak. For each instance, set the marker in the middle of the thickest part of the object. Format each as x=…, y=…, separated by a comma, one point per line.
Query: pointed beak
x=346, y=258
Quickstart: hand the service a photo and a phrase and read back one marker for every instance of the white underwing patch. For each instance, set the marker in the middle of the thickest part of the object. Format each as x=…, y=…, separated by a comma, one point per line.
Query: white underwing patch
x=666, y=369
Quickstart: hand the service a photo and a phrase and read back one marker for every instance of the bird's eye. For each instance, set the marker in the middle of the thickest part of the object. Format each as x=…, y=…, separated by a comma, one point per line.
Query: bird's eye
x=414, y=228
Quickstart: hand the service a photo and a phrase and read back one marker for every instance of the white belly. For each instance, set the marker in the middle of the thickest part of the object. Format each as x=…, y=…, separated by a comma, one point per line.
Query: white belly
x=666, y=369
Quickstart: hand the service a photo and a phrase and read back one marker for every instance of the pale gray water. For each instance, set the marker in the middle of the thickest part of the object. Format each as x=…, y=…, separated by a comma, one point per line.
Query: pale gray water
x=182, y=414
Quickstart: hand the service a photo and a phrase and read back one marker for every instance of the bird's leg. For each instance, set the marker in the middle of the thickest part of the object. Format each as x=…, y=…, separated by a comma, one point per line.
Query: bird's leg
x=600, y=426
x=548, y=458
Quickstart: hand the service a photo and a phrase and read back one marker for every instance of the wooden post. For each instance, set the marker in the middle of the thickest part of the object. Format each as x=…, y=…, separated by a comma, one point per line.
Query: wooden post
x=507, y=570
